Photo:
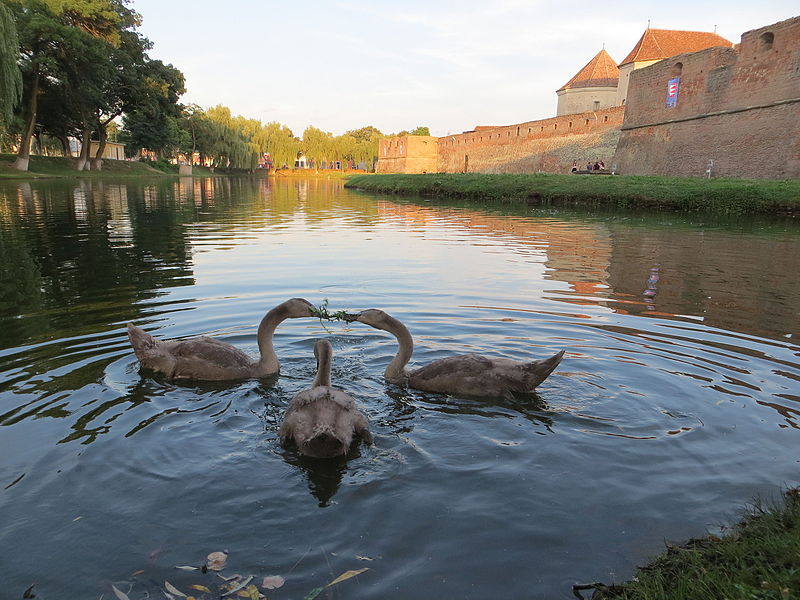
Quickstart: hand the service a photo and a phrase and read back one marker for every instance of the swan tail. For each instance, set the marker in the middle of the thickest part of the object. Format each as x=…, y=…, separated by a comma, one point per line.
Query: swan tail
x=541, y=369
x=140, y=339
x=324, y=444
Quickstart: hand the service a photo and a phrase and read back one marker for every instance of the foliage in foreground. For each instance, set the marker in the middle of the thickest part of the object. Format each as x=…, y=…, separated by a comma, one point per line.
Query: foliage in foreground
x=758, y=559
x=724, y=196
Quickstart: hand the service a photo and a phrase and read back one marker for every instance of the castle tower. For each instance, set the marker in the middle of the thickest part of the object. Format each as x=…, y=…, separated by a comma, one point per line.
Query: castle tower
x=594, y=87
x=658, y=44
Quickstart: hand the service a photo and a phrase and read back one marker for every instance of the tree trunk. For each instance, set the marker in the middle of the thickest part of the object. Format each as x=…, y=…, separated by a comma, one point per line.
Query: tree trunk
x=97, y=161
x=24, y=153
x=86, y=144
x=64, y=144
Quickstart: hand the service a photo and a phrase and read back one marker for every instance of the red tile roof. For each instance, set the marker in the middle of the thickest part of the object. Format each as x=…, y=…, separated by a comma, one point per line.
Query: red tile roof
x=656, y=44
x=601, y=71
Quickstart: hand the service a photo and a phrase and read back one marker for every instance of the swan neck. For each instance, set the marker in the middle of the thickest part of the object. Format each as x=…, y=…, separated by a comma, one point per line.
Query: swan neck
x=396, y=370
x=266, y=329
x=323, y=366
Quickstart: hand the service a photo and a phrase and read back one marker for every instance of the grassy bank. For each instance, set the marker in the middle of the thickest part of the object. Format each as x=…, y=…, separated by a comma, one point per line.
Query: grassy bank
x=757, y=559
x=59, y=166
x=722, y=196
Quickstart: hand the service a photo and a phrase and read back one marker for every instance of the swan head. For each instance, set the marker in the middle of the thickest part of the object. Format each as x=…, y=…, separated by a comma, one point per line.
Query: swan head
x=374, y=317
x=296, y=308
x=323, y=350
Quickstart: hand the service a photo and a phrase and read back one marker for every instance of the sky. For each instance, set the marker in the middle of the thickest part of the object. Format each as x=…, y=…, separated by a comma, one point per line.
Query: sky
x=449, y=65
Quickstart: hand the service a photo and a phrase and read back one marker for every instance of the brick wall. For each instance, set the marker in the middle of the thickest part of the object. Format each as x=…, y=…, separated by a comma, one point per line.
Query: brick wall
x=408, y=154
x=548, y=145
x=738, y=107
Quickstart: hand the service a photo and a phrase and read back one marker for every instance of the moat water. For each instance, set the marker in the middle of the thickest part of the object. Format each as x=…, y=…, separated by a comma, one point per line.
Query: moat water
x=678, y=401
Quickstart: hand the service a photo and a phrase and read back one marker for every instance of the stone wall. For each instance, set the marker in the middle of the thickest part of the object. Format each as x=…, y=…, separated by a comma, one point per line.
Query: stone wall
x=738, y=107
x=408, y=154
x=548, y=145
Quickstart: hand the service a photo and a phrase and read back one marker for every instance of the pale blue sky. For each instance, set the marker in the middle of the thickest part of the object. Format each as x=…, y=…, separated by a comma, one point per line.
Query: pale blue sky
x=451, y=65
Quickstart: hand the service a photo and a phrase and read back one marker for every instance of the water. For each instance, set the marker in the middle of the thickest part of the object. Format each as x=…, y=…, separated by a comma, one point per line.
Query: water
x=677, y=403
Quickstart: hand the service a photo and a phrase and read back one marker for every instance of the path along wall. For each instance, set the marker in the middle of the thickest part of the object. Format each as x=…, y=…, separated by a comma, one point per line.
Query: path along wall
x=738, y=107
x=547, y=145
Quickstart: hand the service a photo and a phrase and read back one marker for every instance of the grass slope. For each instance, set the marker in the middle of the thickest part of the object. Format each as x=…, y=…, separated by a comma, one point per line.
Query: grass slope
x=758, y=559
x=723, y=196
x=58, y=166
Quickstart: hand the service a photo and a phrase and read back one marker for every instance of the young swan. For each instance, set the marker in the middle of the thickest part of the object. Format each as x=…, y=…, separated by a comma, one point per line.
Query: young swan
x=462, y=375
x=210, y=359
x=322, y=420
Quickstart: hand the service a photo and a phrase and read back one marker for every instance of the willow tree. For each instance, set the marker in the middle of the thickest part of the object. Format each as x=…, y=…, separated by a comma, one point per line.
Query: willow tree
x=10, y=76
x=279, y=141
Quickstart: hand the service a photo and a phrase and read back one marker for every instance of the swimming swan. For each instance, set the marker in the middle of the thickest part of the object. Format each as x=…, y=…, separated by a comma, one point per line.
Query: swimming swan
x=323, y=420
x=210, y=359
x=462, y=375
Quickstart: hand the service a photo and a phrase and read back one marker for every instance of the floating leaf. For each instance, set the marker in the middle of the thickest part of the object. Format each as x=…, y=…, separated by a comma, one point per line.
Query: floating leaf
x=241, y=586
x=313, y=593
x=347, y=575
x=200, y=588
x=119, y=594
x=29, y=593
x=272, y=582
x=216, y=561
x=76, y=519
x=187, y=568
x=173, y=590
x=139, y=572
x=251, y=592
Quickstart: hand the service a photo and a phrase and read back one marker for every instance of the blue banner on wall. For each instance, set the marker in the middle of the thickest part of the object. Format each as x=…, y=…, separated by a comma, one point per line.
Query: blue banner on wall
x=672, y=92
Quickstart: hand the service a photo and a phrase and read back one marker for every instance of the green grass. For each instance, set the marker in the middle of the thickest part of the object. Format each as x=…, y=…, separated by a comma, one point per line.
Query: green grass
x=58, y=166
x=758, y=559
x=722, y=196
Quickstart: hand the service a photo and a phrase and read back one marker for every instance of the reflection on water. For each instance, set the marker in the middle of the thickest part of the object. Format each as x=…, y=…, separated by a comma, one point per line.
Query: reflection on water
x=678, y=400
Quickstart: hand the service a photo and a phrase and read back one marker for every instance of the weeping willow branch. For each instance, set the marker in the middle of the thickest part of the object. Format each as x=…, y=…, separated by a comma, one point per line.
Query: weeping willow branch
x=10, y=76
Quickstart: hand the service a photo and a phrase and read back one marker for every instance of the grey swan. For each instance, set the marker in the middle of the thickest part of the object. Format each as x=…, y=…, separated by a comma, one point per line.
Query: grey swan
x=461, y=375
x=209, y=359
x=323, y=420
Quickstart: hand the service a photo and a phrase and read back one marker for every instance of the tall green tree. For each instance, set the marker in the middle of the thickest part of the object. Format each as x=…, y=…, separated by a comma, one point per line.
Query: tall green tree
x=52, y=36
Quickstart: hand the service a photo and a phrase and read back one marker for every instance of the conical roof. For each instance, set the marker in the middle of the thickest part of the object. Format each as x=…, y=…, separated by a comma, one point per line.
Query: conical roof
x=657, y=44
x=601, y=71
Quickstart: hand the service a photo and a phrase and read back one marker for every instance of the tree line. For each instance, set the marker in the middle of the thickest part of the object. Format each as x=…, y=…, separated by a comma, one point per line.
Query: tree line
x=79, y=69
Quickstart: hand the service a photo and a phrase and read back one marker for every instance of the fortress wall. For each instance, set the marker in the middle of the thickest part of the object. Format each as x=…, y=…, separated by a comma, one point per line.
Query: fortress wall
x=548, y=145
x=739, y=107
x=408, y=154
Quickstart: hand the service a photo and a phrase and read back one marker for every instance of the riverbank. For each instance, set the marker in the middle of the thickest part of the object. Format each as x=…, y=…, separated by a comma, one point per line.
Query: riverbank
x=758, y=558
x=721, y=196
x=41, y=167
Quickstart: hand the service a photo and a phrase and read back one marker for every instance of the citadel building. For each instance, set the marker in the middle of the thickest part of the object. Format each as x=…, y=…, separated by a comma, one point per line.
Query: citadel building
x=680, y=103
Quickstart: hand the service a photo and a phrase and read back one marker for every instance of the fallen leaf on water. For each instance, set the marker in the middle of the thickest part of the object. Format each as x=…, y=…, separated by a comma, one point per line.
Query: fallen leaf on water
x=139, y=572
x=200, y=588
x=367, y=557
x=313, y=593
x=119, y=594
x=29, y=593
x=76, y=519
x=216, y=561
x=187, y=568
x=173, y=590
x=251, y=592
x=272, y=582
x=238, y=587
x=347, y=575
